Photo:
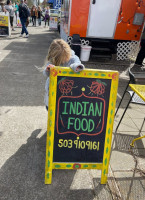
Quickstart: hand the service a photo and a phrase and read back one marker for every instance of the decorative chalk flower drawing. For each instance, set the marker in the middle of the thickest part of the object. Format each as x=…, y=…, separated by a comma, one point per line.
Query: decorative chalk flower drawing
x=65, y=86
x=98, y=87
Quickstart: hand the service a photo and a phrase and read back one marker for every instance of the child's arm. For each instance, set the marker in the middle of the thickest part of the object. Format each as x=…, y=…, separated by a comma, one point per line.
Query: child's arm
x=75, y=63
x=46, y=71
x=77, y=67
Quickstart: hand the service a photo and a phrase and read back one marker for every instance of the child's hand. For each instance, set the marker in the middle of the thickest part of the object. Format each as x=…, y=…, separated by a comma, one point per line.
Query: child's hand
x=49, y=66
x=79, y=68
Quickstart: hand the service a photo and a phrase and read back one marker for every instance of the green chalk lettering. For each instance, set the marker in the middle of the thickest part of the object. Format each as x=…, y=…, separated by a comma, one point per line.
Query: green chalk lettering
x=70, y=123
x=72, y=109
x=85, y=106
x=79, y=108
x=97, y=111
x=84, y=124
x=77, y=124
x=91, y=110
x=65, y=107
x=91, y=125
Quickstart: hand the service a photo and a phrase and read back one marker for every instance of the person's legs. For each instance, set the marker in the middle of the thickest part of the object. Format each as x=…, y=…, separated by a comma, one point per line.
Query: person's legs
x=16, y=17
x=34, y=20
x=22, y=32
x=141, y=54
x=24, y=29
x=48, y=21
x=11, y=21
x=39, y=21
x=12, y=18
x=27, y=22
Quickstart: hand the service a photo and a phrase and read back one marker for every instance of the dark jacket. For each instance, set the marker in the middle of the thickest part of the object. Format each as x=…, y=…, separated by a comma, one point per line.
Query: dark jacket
x=23, y=11
x=39, y=14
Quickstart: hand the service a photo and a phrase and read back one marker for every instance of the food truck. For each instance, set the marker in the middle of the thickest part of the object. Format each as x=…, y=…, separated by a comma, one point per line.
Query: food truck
x=108, y=22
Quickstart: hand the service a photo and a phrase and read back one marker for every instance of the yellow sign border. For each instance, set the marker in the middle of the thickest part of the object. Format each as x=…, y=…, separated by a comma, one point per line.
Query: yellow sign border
x=87, y=73
x=7, y=24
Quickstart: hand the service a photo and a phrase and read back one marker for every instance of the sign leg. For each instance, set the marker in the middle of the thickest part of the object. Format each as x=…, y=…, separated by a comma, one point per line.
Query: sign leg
x=103, y=177
x=48, y=176
x=49, y=160
x=48, y=167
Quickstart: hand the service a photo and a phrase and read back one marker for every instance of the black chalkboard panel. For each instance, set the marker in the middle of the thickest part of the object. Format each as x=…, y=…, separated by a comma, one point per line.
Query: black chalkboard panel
x=80, y=119
x=4, y=31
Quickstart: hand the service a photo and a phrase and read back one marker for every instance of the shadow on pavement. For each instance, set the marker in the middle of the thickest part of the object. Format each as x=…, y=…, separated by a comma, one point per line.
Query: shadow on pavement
x=122, y=143
x=21, y=81
x=130, y=182
x=22, y=175
x=131, y=186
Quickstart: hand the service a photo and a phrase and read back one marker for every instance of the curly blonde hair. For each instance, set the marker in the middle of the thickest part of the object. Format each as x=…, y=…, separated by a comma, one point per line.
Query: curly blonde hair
x=59, y=52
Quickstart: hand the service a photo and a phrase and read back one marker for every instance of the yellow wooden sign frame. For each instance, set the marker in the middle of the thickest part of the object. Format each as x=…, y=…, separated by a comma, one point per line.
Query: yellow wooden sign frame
x=87, y=73
x=5, y=21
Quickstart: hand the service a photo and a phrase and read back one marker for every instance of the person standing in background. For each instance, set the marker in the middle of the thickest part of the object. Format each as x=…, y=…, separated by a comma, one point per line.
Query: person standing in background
x=34, y=15
x=24, y=14
x=27, y=21
x=11, y=10
x=16, y=11
x=39, y=15
x=47, y=17
x=139, y=66
x=141, y=54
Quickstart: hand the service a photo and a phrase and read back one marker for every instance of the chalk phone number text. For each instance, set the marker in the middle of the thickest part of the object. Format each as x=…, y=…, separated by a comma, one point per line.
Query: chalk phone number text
x=79, y=144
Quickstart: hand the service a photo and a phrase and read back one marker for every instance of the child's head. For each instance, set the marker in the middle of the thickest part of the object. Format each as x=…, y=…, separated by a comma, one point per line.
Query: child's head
x=59, y=52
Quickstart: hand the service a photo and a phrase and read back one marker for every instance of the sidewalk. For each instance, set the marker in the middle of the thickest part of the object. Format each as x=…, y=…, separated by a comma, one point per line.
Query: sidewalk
x=23, y=125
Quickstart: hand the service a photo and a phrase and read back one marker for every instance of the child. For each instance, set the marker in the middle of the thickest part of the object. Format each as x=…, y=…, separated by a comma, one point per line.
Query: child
x=60, y=54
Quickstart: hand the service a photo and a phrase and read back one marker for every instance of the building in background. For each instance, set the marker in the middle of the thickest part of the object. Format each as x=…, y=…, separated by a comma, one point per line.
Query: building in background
x=54, y=4
x=57, y=4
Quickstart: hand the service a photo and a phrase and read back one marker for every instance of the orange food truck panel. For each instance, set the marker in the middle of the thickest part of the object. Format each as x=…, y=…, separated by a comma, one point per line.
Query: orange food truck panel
x=125, y=29
x=79, y=17
x=121, y=24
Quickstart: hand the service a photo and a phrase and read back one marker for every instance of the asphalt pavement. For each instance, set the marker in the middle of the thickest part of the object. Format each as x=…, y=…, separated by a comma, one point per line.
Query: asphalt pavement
x=23, y=127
